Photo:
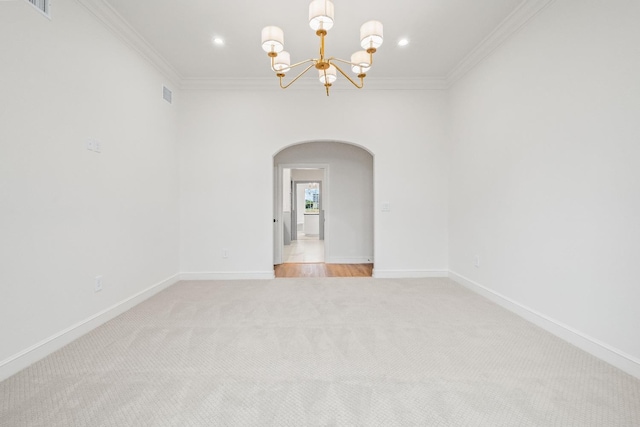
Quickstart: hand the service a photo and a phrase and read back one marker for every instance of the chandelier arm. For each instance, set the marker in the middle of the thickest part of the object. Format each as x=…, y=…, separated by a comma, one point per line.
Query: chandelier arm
x=273, y=61
x=297, y=77
x=343, y=61
x=333, y=58
x=349, y=78
x=351, y=63
x=304, y=62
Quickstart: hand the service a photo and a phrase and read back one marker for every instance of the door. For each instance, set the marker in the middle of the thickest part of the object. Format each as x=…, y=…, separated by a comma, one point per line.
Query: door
x=277, y=217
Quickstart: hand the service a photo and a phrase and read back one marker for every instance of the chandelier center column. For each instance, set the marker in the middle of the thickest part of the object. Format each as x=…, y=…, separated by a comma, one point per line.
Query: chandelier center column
x=322, y=64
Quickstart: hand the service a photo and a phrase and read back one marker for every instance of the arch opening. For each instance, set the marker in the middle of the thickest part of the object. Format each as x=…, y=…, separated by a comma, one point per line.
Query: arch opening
x=299, y=143
x=346, y=217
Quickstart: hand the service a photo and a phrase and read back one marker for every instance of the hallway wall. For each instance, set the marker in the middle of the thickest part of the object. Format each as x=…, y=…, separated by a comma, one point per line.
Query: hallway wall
x=68, y=214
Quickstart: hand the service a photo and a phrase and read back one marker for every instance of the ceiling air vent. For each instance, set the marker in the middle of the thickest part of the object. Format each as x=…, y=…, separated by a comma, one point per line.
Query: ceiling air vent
x=43, y=5
x=166, y=94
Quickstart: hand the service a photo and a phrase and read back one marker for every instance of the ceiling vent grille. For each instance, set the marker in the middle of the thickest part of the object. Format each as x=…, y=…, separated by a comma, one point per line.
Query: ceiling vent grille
x=166, y=94
x=43, y=5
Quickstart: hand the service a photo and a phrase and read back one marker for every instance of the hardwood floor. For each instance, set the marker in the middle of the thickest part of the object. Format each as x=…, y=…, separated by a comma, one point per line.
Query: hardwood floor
x=323, y=270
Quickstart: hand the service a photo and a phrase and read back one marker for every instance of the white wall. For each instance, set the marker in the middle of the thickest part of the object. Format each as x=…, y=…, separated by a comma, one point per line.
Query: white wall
x=545, y=181
x=68, y=214
x=347, y=197
x=307, y=174
x=227, y=133
x=544, y=175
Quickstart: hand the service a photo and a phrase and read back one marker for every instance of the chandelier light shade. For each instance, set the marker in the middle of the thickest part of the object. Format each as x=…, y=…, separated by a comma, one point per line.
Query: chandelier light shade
x=321, y=17
x=360, y=62
x=371, y=35
x=272, y=39
x=329, y=75
x=282, y=63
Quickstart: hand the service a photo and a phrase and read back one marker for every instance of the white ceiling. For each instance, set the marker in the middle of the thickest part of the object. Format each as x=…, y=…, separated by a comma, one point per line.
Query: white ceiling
x=441, y=33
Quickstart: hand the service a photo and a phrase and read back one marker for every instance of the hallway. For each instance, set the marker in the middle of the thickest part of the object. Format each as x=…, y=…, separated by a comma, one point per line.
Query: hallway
x=305, y=249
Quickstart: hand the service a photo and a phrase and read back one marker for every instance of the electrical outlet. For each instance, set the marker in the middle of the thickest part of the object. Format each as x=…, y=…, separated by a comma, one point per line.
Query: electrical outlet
x=98, y=284
x=476, y=261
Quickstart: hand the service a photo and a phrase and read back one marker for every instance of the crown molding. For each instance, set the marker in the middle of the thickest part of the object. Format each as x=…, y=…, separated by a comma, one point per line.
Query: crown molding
x=507, y=28
x=271, y=84
x=410, y=83
x=121, y=28
x=190, y=84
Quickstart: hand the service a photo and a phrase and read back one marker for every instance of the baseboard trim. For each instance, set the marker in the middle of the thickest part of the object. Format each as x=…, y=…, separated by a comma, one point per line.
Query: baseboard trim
x=408, y=274
x=228, y=275
x=597, y=348
x=14, y=364
x=353, y=260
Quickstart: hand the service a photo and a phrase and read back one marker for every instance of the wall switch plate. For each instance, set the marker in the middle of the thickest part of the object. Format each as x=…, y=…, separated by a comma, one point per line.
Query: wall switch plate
x=476, y=261
x=93, y=145
x=225, y=253
x=98, y=284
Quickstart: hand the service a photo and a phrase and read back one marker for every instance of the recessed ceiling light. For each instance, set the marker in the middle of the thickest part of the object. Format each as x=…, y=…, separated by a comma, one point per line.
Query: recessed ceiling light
x=403, y=42
x=217, y=41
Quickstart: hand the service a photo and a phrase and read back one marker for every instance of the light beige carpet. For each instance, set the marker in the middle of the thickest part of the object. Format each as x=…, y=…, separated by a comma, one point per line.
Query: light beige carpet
x=319, y=352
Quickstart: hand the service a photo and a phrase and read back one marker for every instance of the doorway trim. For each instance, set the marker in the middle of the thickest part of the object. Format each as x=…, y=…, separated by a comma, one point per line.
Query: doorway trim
x=278, y=234
x=294, y=201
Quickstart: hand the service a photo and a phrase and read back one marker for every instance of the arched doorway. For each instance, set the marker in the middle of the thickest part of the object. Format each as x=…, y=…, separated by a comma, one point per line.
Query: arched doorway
x=347, y=199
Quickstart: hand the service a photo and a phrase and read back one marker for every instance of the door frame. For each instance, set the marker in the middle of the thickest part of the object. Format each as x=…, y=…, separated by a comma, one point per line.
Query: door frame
x=294, y=200
x=278, y=232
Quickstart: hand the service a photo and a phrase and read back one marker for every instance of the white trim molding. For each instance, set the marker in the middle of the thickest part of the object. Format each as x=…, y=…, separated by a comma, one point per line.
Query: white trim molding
x=228, y=275
x=349, y=260
x=121, y=28
x=584, y=342
x=271, y=84
x=17, y=362
x=408, y=274
x=506, y=29
x=416, y=83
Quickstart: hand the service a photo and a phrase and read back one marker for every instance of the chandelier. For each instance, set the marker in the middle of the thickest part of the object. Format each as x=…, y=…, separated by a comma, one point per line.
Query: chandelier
x=321, y=20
